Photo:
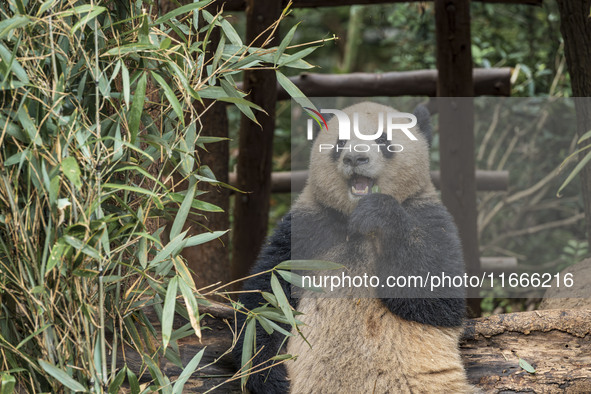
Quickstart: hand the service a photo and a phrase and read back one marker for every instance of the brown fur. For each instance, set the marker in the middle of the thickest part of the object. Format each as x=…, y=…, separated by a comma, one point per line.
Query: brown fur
x=358, y=345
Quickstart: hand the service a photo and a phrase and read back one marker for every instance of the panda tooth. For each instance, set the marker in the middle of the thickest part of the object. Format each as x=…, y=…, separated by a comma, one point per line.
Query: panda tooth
x=366, y=190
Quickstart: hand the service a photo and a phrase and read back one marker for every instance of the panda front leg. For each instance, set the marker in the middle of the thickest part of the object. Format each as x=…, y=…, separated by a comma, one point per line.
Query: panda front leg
x=416, y=240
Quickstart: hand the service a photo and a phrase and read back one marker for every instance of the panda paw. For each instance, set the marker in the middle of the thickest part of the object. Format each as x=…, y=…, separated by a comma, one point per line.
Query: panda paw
x=373, y=213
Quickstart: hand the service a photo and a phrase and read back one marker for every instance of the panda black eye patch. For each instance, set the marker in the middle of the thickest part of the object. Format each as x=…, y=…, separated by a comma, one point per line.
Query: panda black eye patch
x=336, y=153
x=383, y=139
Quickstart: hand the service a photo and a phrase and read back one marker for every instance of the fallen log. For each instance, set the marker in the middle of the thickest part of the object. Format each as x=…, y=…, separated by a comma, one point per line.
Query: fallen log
x=557, y=343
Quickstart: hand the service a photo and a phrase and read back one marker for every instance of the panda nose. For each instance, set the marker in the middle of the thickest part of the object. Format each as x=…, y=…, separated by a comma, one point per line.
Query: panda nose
x=354, y=160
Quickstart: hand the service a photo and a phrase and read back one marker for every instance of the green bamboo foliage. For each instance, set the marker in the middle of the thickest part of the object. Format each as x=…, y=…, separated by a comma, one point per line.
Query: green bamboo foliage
x=97, y=112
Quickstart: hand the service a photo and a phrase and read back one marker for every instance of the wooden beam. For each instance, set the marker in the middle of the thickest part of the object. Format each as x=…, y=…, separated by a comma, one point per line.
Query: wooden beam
x=294, y=181
x=487, y=82
x=240, y=5
x=256, y=148
x=456, y=128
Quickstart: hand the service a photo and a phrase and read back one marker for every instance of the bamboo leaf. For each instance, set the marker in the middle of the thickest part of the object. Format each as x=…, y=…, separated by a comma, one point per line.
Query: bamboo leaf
x=27, y=123
x=247, y=349
x=28, y=338
x=276, y=326
x=203, y=238
x=266, y=326
x=126, y=85
x=287, y=59
x=61, y=376
x=187, y=372
x=270, y=298
x=205, y=206
x=10, y=24
x=230, y=32
x=526, y=366
x=115, y=385
x=134, y=385
x=45, y=6
x=575, y=172
x=281, y=357
x=168, y=311
x=174, y=102
x=157, y=374
x=242, y=104
x=295, y=92
x=72, y=171
x=7, y=383
x=82, y=247
x=192, y=307
x=96, y=11
x=183, y=212
x=134, y=189
x=295, y=279
x=130, y=48
x=285, y=42
x=282, y=300
x=177, y=243
x=137, y=106
x=12, y=64
x=585, y=136
x=184, y=272
x=181, y=10
x=57, y=251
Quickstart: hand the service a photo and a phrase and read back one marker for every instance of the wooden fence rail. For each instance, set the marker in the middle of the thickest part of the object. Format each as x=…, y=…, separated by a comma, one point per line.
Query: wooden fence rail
x=487, y=82
x=240, y=5
x=294, y=181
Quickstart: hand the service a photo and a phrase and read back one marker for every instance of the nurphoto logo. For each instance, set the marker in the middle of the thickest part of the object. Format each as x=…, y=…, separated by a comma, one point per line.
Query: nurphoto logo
x=389, y=121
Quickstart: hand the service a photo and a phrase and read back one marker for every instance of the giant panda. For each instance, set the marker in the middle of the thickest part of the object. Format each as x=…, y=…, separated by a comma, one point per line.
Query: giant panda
x=378, y=208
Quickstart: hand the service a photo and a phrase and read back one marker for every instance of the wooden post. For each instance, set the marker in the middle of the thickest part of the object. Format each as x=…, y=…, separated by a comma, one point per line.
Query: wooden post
x=456, y=127
x=256, y=148
x=575, y=27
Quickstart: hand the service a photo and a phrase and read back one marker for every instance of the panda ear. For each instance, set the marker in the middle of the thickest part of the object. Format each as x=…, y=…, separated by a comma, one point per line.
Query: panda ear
x=424, y=122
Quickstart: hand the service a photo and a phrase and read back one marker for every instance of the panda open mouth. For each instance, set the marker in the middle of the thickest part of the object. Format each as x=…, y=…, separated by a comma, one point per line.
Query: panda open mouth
x=361, y=185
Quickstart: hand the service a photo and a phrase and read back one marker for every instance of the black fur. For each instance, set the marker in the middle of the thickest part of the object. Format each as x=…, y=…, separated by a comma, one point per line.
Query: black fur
x=277, y=249
x=422, y=240
x=336, y=152
x=325, y=228
x=424, y=122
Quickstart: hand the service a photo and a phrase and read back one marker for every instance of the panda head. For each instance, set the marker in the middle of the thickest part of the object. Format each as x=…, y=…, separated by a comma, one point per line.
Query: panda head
x=340, y=176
